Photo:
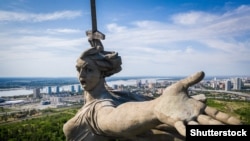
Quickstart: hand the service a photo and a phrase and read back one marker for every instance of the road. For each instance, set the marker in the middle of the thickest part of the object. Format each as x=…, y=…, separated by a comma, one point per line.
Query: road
x=222, y=91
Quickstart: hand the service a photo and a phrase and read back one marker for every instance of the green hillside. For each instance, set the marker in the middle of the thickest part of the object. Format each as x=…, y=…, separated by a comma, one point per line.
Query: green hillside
x=48, y=126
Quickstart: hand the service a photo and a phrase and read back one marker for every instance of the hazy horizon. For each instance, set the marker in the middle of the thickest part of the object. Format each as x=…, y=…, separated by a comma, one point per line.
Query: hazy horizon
x=152, y=76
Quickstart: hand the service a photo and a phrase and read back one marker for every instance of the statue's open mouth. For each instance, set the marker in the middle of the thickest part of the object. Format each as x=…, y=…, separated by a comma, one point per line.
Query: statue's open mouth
x=83, y=82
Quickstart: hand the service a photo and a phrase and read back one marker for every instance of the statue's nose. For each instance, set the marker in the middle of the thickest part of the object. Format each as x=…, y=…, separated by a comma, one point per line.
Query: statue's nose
x=82, y=74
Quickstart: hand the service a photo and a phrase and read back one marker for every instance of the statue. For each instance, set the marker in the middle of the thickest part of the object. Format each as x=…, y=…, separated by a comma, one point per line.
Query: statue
x=108, y=115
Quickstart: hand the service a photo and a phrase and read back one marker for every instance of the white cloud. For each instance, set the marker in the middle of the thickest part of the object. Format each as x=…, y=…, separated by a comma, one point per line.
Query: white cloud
x=149, y=24
x=63, y=30
x=193, y=41
x=40, y=56
x=194, y=18
x=10, y=16
x=221, y=38
x=113, y=27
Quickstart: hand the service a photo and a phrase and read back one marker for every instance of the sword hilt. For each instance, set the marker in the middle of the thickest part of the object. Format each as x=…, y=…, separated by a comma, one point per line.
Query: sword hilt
x=95, y=35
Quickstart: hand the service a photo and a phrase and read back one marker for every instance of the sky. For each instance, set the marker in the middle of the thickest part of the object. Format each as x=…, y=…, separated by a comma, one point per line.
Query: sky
x=43, y=38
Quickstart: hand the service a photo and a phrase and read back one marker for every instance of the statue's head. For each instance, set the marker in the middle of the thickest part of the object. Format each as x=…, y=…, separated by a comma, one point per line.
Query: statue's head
x=108, y=63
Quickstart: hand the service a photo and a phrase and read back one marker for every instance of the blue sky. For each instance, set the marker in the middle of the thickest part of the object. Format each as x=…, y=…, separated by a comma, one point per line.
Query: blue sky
x=154, y=37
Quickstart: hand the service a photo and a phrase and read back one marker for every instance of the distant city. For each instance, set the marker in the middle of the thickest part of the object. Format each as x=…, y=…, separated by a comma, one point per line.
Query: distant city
x=58, y=92
x=54, y=93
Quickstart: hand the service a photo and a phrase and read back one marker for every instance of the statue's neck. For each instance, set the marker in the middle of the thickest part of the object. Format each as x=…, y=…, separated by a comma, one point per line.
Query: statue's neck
x=98, y=92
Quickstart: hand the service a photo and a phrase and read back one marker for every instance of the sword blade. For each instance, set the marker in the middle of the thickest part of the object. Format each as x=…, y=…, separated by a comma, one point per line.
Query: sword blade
x=93, y=16
x=94, y=33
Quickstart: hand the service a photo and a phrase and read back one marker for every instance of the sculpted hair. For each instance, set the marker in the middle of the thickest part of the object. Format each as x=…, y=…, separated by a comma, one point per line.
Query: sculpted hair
x=108, y=62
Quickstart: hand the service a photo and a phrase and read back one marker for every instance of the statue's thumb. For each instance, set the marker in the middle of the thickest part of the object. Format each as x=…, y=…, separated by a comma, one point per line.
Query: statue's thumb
x=180, y=127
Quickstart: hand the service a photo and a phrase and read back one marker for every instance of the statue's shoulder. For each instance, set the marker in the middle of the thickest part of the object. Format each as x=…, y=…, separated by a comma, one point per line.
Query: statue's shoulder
x=125, y=96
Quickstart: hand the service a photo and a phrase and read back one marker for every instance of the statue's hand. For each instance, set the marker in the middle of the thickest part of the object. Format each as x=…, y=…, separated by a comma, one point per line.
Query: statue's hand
x=176, y=108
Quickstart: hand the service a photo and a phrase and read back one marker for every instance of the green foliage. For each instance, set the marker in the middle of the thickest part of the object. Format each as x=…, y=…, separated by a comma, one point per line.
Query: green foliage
x=47, y=128
x=244, y=114
x=217, y=105
x=240, y=109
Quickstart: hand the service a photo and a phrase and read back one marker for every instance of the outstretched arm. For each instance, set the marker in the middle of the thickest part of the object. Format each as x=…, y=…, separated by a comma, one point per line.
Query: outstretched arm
x=174, y=107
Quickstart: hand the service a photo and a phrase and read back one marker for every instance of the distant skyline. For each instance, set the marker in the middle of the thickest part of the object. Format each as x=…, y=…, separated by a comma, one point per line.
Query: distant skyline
x=43, y=38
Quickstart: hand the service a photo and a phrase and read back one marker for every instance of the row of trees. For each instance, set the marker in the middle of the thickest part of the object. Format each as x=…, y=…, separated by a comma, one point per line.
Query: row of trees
x=15, y=115
x=46, y=128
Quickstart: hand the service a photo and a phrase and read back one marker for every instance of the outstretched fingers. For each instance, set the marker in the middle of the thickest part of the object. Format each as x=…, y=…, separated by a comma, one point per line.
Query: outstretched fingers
x=220, y=116
x=211, y=117
x=207, y=120
x=193, y=79
x=181, y=127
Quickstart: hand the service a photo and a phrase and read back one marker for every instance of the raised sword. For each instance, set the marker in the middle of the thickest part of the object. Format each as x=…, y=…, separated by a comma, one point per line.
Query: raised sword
x=94, y=34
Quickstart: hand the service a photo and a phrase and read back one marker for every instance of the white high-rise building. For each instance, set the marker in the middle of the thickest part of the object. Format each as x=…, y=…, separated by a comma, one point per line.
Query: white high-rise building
x=36, y=93
x=228, y=85
x=237, y=83
x=73, y=88
x=49, y=90
x=79, y=89
x=57, y=89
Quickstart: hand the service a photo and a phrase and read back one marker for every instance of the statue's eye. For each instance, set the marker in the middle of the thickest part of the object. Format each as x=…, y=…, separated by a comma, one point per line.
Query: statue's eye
x=88, y=70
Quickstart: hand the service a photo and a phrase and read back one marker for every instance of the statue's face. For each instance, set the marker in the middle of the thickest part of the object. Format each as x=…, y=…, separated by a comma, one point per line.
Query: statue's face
x=88, y=74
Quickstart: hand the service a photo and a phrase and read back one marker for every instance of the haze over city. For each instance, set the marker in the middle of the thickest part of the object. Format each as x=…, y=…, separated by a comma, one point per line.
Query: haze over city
x=153, y=37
